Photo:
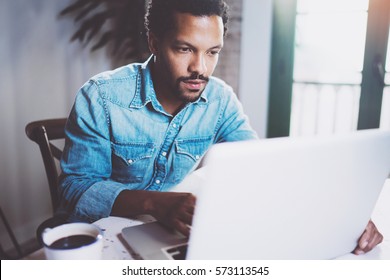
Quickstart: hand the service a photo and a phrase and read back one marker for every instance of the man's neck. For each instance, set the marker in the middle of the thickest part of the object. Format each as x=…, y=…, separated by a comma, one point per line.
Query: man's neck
x=170, y=107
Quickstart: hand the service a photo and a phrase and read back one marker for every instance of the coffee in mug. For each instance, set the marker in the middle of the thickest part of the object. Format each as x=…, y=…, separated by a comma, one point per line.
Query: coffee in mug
x=73, y=241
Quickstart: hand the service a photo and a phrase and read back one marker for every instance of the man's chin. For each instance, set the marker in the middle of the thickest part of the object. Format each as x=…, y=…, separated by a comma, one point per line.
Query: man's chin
x=191, y=96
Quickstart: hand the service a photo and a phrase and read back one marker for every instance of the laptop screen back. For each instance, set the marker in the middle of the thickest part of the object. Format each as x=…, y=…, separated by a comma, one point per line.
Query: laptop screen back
x=289, y=198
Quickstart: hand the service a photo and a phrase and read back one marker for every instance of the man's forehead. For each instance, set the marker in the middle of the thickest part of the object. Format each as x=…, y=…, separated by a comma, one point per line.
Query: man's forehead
x=187, y=25
x=181, y=20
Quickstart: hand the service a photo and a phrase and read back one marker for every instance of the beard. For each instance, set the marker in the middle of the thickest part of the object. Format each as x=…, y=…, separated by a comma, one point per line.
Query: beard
x=190, y=95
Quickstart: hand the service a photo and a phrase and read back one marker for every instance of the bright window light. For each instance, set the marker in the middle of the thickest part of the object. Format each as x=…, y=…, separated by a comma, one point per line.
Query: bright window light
x=328, y=62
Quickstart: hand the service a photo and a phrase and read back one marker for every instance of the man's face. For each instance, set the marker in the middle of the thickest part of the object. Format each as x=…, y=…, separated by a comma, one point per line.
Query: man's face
x=187, y=56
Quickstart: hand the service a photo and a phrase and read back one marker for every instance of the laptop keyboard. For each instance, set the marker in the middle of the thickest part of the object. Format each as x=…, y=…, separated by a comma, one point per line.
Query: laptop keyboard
x=177, y=252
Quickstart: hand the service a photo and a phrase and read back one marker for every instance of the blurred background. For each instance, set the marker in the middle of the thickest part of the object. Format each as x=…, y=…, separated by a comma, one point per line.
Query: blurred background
x=300, y=68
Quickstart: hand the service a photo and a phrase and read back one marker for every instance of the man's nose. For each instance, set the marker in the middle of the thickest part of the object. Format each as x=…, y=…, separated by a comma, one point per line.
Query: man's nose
x=198, y=65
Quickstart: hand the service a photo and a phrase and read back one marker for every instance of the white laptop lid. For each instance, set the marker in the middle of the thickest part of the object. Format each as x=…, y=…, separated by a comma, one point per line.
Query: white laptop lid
x=289, y=198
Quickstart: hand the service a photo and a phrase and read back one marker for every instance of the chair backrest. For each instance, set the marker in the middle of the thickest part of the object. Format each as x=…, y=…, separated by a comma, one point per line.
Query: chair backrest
x=43, y=132
x=3, y=254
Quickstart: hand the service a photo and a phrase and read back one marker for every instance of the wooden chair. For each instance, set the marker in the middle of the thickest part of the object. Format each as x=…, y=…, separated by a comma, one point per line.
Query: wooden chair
x=44, y=132
x=3, y=254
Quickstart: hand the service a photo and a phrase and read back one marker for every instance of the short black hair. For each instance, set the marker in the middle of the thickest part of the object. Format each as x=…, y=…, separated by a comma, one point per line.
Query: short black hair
x=159, y=14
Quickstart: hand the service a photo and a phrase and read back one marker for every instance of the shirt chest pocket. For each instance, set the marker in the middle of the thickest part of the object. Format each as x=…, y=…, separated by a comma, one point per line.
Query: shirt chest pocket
x=130, y=162
x=189, y=152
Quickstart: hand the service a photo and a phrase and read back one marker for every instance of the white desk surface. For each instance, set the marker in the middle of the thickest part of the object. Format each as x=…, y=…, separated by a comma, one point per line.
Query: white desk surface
x=116, y=249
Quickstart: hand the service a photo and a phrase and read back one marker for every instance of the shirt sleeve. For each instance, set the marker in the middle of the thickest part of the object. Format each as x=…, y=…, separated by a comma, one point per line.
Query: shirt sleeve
x=86, y=191
x=234, y=124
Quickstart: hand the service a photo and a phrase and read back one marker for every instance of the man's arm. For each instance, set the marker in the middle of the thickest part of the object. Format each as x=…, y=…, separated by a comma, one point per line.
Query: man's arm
x=86, y=190
x=174, y=210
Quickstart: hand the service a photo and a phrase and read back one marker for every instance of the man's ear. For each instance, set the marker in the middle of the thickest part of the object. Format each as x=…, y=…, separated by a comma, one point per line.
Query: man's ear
x=153, y=43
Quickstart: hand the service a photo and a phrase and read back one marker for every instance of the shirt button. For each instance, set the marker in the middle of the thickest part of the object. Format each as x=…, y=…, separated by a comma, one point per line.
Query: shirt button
x=158, y=182
x=164, y=154
x=197, y=157
x=174, y=125
x=130, y=161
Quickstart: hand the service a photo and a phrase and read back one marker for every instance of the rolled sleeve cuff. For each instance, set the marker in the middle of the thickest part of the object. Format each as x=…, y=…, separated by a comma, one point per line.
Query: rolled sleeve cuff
x=97, y=201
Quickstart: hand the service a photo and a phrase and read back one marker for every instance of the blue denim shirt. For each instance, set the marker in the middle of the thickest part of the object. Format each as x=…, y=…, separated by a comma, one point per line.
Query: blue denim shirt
x=118, y=137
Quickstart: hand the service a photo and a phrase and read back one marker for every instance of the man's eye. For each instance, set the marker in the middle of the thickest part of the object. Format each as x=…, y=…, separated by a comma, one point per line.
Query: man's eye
x=184, y=50
x=213, y=53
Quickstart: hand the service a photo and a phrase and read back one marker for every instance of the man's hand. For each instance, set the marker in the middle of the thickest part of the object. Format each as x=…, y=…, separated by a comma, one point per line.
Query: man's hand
x=175, y=210
x=369, y=239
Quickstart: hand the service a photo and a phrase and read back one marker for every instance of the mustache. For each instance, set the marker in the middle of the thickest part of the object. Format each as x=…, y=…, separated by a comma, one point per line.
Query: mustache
x=194, y=76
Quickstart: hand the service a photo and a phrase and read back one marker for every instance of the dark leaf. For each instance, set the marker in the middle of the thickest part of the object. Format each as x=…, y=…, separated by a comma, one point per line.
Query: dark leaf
x=106, y=37
x=74, y=7
x=116, y=24
x=87, y=10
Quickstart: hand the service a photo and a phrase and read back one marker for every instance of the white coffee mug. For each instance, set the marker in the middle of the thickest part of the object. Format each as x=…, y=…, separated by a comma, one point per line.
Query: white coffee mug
x=73, y=241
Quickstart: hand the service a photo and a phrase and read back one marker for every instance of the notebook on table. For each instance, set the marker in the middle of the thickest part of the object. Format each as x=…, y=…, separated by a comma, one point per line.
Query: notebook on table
x=281, y=198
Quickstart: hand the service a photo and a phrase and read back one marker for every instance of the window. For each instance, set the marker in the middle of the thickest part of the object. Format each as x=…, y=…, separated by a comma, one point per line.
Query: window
x=334, y=67
x=328, y=66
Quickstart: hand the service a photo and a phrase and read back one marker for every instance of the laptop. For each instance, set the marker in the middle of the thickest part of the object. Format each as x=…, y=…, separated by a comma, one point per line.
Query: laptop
x=281, y=198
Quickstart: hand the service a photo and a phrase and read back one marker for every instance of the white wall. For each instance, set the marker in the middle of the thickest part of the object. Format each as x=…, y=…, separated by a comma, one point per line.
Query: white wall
x=255, y=61
x=40, y=72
